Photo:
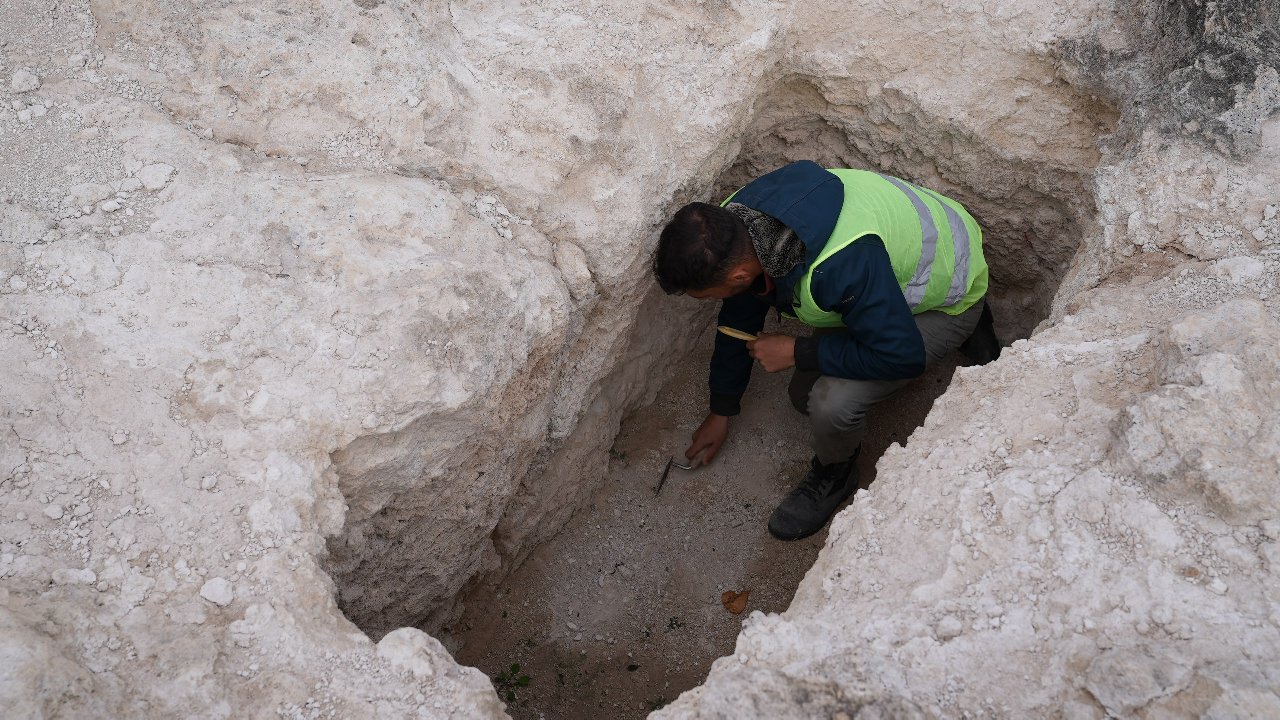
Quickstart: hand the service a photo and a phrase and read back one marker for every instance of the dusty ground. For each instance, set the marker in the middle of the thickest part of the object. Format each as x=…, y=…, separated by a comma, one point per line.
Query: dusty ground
x=621, y=612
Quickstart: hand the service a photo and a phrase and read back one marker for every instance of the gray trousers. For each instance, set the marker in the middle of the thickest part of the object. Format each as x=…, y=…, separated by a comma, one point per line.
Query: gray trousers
x=837, y=407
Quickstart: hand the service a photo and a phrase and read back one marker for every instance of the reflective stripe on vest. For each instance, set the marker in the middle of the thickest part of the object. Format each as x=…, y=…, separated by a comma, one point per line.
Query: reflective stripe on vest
x=960, y=245
x=915, y=289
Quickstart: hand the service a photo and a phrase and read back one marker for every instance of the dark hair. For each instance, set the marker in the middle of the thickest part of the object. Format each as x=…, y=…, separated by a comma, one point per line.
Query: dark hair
x=699, y=247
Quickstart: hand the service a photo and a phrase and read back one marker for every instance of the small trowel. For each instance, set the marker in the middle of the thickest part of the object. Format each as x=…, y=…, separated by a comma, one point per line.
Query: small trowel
x=671, y=462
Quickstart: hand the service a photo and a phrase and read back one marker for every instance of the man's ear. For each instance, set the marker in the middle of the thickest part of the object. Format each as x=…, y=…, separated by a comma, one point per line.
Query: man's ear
x=742, y=273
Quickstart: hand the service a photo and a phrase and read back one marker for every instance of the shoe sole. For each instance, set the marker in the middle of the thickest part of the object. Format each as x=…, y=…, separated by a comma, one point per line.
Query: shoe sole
x=789, y=538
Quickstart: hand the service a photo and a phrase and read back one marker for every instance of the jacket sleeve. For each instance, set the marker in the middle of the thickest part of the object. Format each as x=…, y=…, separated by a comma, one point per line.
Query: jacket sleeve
x=730, y=361
x=883, y=342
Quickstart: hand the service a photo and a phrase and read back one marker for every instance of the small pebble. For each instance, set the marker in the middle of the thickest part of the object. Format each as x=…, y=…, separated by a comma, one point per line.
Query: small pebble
x=949, y=627
x=218, y=591
x=155, y=176
x=67, y=576
x=24, y=81
x=1270, y=528
x=53, y=512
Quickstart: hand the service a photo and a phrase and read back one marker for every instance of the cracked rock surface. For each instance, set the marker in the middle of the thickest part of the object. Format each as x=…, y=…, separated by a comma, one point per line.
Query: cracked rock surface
x=314, y=316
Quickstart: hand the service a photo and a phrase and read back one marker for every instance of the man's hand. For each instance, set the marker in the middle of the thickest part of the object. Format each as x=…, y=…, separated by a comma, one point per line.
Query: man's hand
x=709, y=436
x=775, y=352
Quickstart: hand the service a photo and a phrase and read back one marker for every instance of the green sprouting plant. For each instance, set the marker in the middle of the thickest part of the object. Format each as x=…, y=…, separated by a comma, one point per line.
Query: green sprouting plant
x=657, y=703
x=507, y=681
x=674, y=623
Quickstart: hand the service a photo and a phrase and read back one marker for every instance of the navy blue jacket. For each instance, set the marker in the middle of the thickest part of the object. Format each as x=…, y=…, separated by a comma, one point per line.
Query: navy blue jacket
x=883, y=342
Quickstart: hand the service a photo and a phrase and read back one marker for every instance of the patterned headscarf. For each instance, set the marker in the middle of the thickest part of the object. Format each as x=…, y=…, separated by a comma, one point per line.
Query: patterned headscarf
x=777, y=245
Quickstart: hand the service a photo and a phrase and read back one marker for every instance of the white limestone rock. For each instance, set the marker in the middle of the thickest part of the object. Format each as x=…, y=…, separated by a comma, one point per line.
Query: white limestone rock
x=1186, y=438
x=1240, y=269
x=218, y=591
x=88, y=194
x=155, y=176
x=1124, y=680
x=572, y=261
x=415, y=651
x=33, y=658
x=24, y=81
x=771, y=693
x=69, y=576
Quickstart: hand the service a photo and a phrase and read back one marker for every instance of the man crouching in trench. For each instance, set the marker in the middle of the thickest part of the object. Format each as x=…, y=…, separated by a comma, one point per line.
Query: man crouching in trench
x=889, y=274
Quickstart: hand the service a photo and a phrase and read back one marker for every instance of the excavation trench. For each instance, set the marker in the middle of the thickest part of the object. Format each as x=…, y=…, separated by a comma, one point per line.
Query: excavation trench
x=621, y=610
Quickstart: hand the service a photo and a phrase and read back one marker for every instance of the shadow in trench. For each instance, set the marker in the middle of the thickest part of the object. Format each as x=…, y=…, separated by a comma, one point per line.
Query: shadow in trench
x=621, y=612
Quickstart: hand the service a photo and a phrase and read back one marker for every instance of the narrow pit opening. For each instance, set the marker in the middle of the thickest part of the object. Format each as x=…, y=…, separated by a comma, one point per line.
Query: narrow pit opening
x=622, y=610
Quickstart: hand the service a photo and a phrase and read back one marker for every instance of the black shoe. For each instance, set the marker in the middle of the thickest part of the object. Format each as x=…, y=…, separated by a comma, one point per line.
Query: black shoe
x=983, y=346
x=805, y=510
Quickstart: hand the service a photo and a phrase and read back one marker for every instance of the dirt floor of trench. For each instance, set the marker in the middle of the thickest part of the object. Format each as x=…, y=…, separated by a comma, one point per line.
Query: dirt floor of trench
x=621, y=612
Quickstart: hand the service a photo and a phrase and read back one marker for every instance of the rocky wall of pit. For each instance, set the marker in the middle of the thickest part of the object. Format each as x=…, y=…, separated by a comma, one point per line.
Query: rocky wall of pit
x=316, y=305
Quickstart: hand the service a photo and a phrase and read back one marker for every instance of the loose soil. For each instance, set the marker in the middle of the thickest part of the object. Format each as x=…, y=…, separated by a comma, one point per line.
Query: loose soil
x=621, y=612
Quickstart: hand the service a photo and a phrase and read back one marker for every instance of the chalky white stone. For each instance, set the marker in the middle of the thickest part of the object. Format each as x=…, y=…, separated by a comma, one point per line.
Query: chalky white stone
x=218, y=591
x=155, y=176
x=24, y=81
x=403, y=342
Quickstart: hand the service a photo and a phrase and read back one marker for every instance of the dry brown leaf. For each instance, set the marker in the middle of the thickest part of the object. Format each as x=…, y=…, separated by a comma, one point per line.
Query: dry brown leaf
x=734, y=602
